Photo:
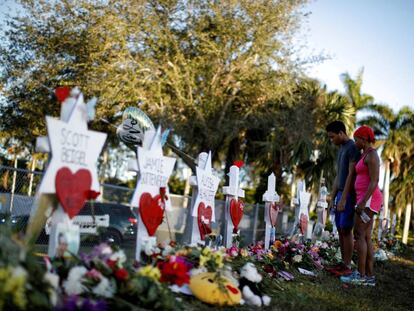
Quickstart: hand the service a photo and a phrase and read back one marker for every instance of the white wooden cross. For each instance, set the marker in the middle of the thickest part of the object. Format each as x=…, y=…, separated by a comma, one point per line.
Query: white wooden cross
x=205, y=186
x=73, y=146
x=232, y=192
x=302, y=203
x=154, y=170
x=321, y=209
x=270, y=197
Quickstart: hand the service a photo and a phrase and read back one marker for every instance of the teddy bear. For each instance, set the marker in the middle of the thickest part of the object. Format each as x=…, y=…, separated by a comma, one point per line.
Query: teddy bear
x=249, y=286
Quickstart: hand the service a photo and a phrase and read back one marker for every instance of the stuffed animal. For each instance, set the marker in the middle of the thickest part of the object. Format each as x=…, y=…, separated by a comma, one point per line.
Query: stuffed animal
x=249, y=286
x=210, y=288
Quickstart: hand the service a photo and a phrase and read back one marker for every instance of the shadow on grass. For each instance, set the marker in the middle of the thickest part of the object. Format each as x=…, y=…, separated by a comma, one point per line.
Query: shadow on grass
x=394, y=291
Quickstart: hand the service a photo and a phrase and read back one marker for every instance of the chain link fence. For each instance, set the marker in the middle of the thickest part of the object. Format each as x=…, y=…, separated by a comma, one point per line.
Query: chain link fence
x=18, y=188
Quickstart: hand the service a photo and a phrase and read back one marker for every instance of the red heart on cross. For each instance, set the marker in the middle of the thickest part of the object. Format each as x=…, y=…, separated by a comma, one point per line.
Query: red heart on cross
x=72, y=189
x=204, y=216
x=236, y=212
x=303, y=223
x=151, y=211
x=273, y=212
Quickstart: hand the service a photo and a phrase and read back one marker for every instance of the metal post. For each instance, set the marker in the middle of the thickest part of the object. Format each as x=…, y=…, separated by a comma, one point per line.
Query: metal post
x=13, y=184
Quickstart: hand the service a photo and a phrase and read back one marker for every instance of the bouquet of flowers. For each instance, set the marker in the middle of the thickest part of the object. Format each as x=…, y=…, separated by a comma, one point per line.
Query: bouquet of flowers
x=24, y=284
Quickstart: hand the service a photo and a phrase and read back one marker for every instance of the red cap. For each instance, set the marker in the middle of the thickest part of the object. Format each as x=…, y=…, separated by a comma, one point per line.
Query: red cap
x=366, y=133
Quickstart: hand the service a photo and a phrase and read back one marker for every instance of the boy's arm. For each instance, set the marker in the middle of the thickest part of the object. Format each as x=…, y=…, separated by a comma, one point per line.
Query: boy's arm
x=334, y=192
x=348, y=186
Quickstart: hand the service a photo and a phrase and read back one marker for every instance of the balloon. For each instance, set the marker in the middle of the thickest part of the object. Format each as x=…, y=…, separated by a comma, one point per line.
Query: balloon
x=133, y=127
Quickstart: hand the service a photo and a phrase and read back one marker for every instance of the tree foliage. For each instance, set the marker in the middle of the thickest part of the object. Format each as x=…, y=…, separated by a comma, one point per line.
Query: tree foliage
x=205, y=68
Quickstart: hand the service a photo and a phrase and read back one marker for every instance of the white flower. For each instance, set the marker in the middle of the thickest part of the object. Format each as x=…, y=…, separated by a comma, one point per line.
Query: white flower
x=318, y=243
x=338, y=255
x=119, y=256
x=150, y=250
x=297, y=258
x=106, y=250
x=167, y=250
x=19, y=272
x=104, y=288
x=52, y=279
x=73, y=285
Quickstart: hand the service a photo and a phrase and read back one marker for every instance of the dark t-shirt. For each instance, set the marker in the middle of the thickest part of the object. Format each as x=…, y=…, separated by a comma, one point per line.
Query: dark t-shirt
x=348, y=152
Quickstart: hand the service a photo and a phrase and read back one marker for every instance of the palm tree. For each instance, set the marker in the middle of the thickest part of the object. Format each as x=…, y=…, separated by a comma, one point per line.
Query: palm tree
x=403, y=190
x=353, y=90
x=392, y=134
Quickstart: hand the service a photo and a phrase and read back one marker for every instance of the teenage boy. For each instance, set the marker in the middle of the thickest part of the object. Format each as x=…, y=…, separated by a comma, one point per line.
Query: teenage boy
x=343, y=195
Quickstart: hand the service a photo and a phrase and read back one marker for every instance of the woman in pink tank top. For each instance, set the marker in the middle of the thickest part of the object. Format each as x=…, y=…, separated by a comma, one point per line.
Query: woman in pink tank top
x=369, y=202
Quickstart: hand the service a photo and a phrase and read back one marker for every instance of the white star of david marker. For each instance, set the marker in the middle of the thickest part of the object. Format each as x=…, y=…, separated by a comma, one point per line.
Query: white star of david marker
x=154, y=168
x=73, y=146
x=207, y=185
x=271, y=195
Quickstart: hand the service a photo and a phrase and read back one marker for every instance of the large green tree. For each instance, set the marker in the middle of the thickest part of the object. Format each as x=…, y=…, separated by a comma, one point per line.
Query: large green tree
x=205, y=68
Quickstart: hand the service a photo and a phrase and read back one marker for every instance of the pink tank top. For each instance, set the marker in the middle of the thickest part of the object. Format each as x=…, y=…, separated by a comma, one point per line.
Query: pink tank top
x=361, y=185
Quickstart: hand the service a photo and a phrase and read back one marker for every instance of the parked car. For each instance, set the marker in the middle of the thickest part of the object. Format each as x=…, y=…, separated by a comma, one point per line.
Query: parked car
x=122, y=222
x=121, y=226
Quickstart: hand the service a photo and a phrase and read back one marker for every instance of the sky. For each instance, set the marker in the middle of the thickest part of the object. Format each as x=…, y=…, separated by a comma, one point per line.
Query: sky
x=377, y=35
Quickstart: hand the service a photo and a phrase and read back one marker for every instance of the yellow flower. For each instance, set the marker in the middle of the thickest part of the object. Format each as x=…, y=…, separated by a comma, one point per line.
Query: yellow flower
x=218, y=259
x=150, y=272
x=270, y=256
x=206, y=251
x=203, y=260
x=277, y=244
x=183, y=252
x=244, y=252
x=4, y=273
x=15, y=285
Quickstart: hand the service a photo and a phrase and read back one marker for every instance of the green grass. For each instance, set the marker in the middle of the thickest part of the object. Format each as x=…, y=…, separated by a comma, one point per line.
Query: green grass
x=394, y=291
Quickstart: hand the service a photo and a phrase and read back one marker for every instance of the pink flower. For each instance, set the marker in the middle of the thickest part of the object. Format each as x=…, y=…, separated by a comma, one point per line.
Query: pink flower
x=233, y=251
x=94, y=274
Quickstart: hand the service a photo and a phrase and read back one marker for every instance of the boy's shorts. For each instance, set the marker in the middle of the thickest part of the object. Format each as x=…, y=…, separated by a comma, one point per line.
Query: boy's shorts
x=345, y=219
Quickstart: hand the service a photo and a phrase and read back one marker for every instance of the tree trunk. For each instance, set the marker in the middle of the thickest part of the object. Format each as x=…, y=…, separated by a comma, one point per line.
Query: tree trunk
x=6, y=180
x=386, y=188
x=103, y=169
x=407, y=223
x=314, y=199
x=13, y=184
x=399, y=214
